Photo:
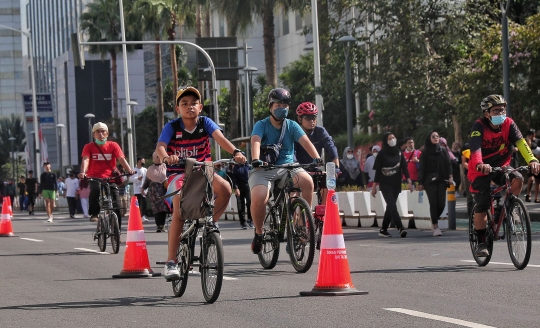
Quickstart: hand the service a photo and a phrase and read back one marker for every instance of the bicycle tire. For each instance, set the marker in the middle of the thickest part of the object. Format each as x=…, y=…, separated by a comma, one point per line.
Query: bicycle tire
x=301, y=235
x=183, y=256
x=473, y=240
x=318, y=224
x=102, y=233
x=114, y=232
x=518, y=234
x=269, y=254
x=212, y=266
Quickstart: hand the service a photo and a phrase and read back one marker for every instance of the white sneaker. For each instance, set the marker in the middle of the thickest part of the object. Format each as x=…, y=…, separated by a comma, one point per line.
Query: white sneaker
x=437, y=232
x=171, y=271
x=50, y=219
x=144, y=219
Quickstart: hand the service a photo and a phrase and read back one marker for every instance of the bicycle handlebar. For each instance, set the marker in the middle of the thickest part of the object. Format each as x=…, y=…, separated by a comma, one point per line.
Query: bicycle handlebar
x=508, y=169
x=268, y=166
x=182, y=162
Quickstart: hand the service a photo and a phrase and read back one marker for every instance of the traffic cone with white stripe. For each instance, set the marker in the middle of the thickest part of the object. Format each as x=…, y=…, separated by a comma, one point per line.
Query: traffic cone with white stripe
x=334, y=275
x=136, y=261
x=6, y=229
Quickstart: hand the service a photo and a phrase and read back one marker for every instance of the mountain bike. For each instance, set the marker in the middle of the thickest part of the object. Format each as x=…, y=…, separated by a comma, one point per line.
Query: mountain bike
x=287, y=208
x=512, y=216
x=210, y=259
x=319, y=184
x=107, y=224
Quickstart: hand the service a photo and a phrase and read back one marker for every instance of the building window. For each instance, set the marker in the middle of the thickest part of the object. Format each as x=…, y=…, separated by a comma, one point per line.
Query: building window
x=285, y=23
x=298, y=21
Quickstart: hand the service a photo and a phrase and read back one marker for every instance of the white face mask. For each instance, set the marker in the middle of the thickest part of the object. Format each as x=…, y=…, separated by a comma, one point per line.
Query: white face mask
x=392, y=142
x=375, y=155
x=350, y=156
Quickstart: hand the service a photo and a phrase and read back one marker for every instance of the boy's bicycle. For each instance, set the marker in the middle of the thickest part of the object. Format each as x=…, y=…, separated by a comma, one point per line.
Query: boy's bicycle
x=210, y=259
x=107, y=224
x=286, y=207
x=512, y=216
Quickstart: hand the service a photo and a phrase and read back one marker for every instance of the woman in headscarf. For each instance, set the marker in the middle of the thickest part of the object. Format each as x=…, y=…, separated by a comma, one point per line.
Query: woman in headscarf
x=350, y=169
x=389, y=166
x=434, y=174
x=368, y=165
x=156, y=190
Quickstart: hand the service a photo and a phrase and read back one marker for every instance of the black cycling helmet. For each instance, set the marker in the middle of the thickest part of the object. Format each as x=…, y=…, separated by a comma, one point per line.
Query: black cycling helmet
x=279, y=95
x=491, y=101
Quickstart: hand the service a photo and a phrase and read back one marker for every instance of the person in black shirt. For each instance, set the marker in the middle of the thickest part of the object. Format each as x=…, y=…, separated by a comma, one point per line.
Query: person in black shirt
x=389, y=166
x=239, y=177
x=21, y=187
x=48, y=189
x=31, y=189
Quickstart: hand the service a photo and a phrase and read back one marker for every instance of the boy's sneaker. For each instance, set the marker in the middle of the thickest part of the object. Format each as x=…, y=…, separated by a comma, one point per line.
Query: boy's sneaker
x=482, y=251
x=384, y=233
x=403, y=233
x=256, y=244
x=171, y=271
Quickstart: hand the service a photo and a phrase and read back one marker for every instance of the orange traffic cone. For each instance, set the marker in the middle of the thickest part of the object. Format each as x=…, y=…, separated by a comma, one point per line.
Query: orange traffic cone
x=334, y=275
x=6, y=229
x=136, y=262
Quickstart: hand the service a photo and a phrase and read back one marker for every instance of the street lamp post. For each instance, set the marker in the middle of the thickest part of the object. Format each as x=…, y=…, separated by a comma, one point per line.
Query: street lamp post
x=134, y=148
x=348, y=40
x=249, y=108
x=12, y=139
x=89, y=116
x=33, y=81
x=59, y=127
x=506, y=65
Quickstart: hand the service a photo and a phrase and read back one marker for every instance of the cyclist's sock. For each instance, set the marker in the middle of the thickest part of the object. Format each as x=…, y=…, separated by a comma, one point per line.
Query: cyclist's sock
x=481, y=233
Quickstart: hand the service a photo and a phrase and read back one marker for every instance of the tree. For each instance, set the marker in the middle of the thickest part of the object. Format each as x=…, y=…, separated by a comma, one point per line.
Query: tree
x=11, y=126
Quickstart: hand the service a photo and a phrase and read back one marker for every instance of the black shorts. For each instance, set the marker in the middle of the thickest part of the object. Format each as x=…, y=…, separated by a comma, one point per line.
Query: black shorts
x=481, y=188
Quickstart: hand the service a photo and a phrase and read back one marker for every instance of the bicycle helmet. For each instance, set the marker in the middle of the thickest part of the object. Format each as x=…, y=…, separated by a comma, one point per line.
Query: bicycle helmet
x=307, y=108
x=279, y=95
x=491, y=101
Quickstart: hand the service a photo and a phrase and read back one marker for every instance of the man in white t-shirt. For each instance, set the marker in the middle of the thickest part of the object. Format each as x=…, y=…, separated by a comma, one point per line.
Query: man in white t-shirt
x=138, y=180
x=72, y=188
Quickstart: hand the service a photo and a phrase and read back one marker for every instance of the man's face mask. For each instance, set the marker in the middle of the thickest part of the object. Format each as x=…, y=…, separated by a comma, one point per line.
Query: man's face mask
x=281, y=113
x=99, y=142
x=498, y=120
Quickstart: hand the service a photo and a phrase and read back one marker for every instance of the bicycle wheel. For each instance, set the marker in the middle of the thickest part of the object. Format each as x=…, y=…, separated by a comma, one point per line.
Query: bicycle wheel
x=212, y=267
x=114, y=232
x=301, y=235
x=183, y=256
x=101, y=233
x=473, y=240
x=318, y=224
x=270, y=249
x=518, y=233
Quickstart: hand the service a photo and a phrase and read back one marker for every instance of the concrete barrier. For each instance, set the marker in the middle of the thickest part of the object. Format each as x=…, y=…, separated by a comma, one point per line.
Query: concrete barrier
x=362, y=206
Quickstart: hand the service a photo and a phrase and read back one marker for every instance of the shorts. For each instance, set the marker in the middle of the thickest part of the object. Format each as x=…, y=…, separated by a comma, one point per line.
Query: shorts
x=481, y=189
x=267, y=178
x=48, y=194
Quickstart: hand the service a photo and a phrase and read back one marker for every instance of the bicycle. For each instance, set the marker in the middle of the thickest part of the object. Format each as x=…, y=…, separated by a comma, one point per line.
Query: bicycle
x=512, y=216
x=210, y=260
x=107, y=224
x=285, y=207
x=319, y=183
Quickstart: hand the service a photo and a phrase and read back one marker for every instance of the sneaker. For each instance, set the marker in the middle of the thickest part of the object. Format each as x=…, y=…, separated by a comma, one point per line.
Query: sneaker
x=482, y=251
x=243, y=226
x=159, y=229
x=250, y=224
x=437, y=232
x=72, y=216
x=384, y=233
x=93, y=219
x=50, y=220
x=144, y=219
x=171, y=271
x=256, y=244
x=403, y=233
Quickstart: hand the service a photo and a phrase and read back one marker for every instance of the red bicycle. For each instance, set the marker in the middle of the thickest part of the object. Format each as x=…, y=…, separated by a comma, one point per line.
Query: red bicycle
x=512, y=216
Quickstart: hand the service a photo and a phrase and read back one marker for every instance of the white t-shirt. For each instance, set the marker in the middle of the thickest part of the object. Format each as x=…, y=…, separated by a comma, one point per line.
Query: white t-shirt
x=137, y=184
x=71, y=187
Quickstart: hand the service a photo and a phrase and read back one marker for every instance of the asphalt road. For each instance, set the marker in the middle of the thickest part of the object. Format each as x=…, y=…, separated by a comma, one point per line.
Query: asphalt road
x=50, y=276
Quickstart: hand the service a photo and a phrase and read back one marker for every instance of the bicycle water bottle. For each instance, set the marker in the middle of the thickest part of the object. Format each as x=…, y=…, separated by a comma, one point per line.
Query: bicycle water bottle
x=331, y=176
x=421, y=197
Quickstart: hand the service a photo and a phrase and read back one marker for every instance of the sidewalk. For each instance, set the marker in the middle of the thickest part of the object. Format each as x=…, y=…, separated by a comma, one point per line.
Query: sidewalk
x=532, y=207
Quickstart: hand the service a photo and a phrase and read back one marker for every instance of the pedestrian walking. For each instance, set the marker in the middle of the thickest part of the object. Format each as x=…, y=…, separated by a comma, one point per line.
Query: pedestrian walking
x=48, y=189
x=368, y=165
x=156, y=189
x=240, y=178
x=351, y=175
x=31, y=191
x=84, y=194
x=21, y=191
x=138, y=180
x=412, y=156
x=72, y=189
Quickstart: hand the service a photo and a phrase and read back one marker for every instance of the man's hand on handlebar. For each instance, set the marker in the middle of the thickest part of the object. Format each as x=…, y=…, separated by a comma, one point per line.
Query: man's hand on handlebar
x=239, y=158
x=484, y=168
x=256, y=163
x=535, y=167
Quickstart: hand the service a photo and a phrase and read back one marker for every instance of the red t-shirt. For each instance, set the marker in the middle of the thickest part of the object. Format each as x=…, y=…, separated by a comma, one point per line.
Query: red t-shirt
x=99, y=166
x=413, y=169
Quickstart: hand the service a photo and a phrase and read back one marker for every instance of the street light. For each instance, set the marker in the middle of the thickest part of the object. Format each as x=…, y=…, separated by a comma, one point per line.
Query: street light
x=89, y=116
x=59, y=126
x=249, y=108
x=134, y=148
x=348, y=40
x=12, y=139
x=33, y=81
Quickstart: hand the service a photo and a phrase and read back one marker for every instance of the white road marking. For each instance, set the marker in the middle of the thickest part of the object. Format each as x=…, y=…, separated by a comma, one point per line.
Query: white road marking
x=439, y=318
x=502, y=263
x=197, y=273
x=92, y=251
x=30, y=239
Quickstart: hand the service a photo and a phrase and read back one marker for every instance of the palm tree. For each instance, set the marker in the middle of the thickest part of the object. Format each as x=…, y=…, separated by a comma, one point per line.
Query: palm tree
x=101, y=22
x=178, y=12
x=11, y=126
